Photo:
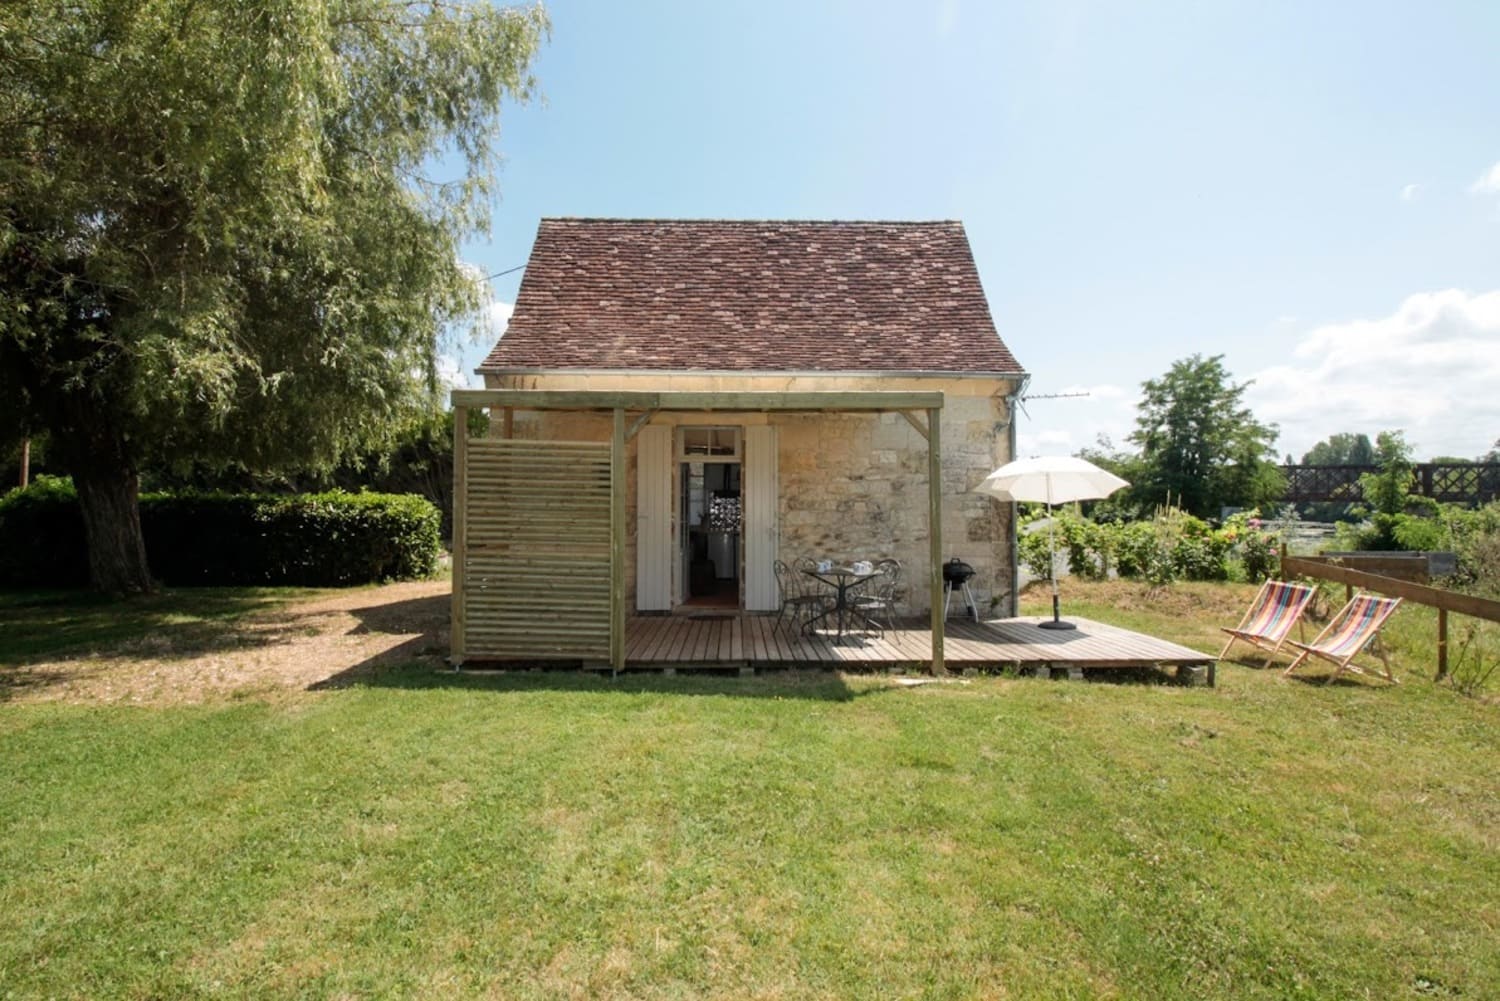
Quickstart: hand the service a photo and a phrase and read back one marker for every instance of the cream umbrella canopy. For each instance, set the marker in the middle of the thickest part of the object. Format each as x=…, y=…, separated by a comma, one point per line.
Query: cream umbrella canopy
x=1051, y=479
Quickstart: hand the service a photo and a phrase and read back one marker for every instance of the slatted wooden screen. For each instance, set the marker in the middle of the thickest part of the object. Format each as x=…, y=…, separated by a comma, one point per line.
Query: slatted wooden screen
x=536, y=555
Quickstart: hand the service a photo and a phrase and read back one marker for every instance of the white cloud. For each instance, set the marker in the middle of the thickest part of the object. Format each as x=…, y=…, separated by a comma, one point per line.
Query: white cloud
x=1409, y=192
x=1052, y=441
x=1488, y=183
x=496, y=319
x=452, y=374
x=1431, y=368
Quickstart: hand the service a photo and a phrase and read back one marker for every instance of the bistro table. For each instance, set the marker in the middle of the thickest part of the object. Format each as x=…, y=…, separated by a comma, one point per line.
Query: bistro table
x=843, y=579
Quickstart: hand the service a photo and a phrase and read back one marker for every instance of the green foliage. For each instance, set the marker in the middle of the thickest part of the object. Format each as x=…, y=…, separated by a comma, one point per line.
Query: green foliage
x=1201, y=448
x=418, y=459
x=1343, y=449
x=41, y=536
x=1398, y=518
x=327, y=539
x=1475, y=538
x=1036, y=553
x=231, y=231
x=1171, y=545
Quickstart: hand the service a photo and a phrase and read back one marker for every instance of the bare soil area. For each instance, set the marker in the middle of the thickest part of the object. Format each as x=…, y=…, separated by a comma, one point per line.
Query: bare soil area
x=324, y=642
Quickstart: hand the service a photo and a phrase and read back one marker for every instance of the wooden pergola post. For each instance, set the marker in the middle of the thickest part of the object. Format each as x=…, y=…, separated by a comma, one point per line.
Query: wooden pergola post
x=935, y=532
x=460, y=530
x=617, y=544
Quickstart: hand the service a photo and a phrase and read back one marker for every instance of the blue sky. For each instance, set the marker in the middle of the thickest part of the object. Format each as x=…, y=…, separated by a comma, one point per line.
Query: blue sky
x=1310, y=189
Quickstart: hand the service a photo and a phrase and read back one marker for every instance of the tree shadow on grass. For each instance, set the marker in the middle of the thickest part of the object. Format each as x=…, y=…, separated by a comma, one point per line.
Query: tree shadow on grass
x=59, y=638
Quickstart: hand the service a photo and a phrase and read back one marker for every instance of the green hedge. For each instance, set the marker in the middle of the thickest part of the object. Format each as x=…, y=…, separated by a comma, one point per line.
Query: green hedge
x=317, y=540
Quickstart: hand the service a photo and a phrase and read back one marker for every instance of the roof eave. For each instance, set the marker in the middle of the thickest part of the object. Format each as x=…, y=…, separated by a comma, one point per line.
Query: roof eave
x=772, y=373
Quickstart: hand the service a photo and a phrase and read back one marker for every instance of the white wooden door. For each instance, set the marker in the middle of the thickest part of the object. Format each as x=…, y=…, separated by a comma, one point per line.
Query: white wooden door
x=759, y=488
x=653, y=518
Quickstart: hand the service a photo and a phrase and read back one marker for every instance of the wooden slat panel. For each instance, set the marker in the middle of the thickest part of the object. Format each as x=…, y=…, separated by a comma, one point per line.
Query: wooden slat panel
x=537, y=556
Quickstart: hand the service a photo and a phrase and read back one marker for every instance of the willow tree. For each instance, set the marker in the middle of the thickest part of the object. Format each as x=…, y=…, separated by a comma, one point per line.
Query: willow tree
x=229, y=230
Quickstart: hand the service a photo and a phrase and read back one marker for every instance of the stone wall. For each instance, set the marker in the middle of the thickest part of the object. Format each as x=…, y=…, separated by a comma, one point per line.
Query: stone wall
x=852, y=486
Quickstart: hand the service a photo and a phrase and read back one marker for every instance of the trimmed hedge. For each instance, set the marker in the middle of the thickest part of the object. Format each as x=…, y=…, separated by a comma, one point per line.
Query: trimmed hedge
x=317, y=540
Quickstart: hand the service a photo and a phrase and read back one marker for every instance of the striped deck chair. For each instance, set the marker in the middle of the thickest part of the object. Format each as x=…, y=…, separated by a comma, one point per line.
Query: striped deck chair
x=1270, y=619
x=1350, y=632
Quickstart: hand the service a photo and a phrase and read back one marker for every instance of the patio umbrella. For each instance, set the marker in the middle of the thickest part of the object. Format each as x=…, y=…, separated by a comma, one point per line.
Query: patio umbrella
x=1051, y=479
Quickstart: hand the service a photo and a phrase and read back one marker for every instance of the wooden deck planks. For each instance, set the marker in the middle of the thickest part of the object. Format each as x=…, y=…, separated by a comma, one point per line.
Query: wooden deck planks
x=740, y=639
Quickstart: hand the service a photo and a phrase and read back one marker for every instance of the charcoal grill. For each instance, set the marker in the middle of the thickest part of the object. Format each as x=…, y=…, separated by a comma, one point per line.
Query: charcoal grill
x=956, y=576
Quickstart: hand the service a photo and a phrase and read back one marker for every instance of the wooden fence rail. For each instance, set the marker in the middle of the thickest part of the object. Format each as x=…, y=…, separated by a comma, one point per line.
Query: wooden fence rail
x=1327, y=568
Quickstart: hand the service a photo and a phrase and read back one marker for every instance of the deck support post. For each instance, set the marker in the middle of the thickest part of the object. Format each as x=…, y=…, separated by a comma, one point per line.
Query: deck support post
x=617, y=544
x=460, y=531
x=935, y=532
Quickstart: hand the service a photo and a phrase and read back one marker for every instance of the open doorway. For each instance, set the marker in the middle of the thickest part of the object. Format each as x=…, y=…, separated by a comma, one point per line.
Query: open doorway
x=711, y=516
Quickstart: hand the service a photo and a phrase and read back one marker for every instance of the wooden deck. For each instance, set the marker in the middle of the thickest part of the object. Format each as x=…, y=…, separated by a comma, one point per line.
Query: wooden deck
x=732, y=639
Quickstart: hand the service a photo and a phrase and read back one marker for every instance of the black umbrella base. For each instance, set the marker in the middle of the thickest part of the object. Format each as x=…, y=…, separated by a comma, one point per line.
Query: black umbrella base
x=1056, y=624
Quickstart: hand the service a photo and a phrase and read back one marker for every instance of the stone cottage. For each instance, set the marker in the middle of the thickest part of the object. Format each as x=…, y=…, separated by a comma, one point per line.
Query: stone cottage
x=813, y=349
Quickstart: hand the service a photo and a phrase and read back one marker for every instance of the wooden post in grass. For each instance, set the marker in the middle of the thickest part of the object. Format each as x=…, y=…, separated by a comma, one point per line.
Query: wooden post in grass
x=935, y=532
x=460, y=532
x=1442, y=671
x=617, y=544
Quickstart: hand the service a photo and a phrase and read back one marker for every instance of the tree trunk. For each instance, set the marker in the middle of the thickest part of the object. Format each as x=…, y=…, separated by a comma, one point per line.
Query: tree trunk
x=25, y=462
x=110, y=501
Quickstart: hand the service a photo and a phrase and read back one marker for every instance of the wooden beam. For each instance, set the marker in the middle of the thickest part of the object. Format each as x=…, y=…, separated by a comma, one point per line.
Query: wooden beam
x=696, y=402
x=617, y=544
x=640, y=422
x=508, y=423
x=458, y=623
x=935, y=533
x=1422, y=594
x=911, y=419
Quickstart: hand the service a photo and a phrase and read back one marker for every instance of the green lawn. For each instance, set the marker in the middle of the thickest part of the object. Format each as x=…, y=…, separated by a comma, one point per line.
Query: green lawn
x=784, y=836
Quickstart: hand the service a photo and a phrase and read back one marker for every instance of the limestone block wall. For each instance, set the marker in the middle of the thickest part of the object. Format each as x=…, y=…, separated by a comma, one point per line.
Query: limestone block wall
x=854, y=486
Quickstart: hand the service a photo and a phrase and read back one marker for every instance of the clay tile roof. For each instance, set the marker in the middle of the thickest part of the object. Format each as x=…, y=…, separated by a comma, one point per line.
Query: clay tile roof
x=717, y=295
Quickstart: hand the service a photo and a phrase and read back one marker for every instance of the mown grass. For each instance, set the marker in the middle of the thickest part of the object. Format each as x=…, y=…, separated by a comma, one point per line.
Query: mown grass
x=543, y=835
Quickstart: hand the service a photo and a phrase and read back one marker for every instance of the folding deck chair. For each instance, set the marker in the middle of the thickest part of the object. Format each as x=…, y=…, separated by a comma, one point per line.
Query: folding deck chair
x=1277, y=607
x=1350, y=632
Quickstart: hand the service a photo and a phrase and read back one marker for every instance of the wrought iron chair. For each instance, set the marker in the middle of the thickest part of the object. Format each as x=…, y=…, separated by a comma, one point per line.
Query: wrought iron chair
x=877, y=598
x=797, y=600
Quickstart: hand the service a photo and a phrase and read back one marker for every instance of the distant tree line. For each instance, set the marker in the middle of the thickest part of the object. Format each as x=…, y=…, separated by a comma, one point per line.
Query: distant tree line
x=1198, y=448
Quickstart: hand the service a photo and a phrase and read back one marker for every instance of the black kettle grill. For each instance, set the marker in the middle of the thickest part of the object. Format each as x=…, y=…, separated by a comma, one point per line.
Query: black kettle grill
x=956, y=575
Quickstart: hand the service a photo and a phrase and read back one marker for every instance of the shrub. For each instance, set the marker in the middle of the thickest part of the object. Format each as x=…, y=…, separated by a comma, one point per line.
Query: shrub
x=230, y=539
x=41, y=536
x=1035, y=553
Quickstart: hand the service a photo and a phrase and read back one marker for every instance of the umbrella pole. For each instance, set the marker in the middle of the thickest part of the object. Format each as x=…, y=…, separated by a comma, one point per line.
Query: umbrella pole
x=1057, y=622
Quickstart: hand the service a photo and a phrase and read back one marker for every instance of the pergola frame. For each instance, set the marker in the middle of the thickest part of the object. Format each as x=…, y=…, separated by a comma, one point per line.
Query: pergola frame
x=647, y=405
